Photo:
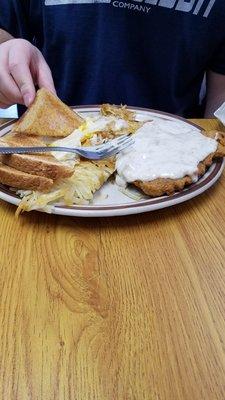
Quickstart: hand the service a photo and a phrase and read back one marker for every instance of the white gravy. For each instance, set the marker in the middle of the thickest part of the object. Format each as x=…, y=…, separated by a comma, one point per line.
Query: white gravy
x=163, y=149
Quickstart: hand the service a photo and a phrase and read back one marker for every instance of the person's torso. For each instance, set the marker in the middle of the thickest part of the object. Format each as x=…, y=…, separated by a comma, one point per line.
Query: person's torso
x=150, y=53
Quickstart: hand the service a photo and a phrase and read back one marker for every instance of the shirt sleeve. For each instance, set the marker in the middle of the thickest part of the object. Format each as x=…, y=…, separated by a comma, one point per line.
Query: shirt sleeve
x=217, y=62
x=14, y=18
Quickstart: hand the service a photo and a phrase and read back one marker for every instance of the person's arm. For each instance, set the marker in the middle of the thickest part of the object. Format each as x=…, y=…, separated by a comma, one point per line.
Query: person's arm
x=4, y=36
x=215, y=92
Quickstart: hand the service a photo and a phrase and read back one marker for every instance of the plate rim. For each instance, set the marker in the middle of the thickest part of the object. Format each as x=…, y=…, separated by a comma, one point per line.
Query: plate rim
x=135, y=207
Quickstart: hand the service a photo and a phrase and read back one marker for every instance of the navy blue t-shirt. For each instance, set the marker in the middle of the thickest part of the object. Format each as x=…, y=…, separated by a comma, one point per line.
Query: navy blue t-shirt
x=146, y=53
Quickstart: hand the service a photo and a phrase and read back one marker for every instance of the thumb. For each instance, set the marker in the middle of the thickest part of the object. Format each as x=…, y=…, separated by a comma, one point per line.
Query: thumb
x=44, y=75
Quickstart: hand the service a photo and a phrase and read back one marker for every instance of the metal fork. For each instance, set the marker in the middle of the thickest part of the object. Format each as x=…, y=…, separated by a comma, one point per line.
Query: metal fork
x=98, y=152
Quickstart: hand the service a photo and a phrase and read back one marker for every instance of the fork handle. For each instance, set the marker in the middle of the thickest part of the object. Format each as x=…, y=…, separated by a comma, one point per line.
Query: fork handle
x=26, y=150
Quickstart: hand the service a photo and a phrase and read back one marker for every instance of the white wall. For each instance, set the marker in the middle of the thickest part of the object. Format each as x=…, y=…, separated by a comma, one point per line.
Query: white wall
x=10, y=112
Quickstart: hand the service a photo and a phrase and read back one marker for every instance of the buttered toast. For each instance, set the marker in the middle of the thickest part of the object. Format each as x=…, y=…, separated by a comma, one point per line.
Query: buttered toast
x=30, y=171
x=48, y=116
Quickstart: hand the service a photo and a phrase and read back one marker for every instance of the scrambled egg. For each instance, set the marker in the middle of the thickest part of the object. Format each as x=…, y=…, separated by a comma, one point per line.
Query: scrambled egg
x=85, y=133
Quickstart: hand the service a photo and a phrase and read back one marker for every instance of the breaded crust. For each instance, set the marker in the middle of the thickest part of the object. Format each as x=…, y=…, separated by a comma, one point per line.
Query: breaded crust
x=160, y=187
x=48, y=116
x=21, y=180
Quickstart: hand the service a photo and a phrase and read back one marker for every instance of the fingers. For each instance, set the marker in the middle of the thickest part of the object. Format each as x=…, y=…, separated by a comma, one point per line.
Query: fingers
x=4, y=106
x=4, y=100
x=21, y=74
x=22, y=66
x=19, y=68
x=44, y=75
x=9, y=92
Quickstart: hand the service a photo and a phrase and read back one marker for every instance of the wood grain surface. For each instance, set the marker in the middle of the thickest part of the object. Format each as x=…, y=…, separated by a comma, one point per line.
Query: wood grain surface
x=126, y=308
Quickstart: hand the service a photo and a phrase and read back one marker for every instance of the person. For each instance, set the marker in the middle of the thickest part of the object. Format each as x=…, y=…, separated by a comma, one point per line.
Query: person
x=146, y=53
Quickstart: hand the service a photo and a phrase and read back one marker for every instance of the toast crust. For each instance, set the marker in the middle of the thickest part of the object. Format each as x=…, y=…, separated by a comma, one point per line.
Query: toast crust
x=21, y=180
x=41, y=164
x=48, y=116
x=44, y=166
x=160, y=187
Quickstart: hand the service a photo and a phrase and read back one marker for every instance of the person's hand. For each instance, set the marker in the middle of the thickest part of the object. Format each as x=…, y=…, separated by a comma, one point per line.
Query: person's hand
x=22, y=67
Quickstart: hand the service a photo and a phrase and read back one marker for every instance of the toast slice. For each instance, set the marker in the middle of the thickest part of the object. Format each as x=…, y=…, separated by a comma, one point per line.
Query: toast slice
x=41, y=164
x=48, y=116
x=17, y=179
x=21, y=140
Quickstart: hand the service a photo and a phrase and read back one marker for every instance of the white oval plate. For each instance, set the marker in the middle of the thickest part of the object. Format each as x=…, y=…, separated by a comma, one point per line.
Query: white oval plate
x=110, y=201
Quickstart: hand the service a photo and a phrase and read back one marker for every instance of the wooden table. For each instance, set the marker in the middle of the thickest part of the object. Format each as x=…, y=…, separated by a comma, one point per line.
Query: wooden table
x=126, y=308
